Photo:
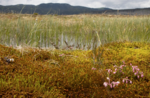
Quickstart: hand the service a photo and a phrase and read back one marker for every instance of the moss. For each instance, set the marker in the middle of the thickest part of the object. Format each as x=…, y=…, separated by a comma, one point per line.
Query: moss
x=67, y=73
x=115, y=53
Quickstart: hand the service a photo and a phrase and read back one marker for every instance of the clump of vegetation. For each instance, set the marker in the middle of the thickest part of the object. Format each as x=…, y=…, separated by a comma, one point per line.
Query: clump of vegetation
x=124, y=72
x=35, y=14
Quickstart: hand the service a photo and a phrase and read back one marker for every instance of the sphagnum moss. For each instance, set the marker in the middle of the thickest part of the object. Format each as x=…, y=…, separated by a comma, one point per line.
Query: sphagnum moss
x=73, y=78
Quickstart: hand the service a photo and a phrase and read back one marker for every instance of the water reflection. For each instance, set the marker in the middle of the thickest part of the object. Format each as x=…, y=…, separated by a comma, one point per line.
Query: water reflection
x=62, y=41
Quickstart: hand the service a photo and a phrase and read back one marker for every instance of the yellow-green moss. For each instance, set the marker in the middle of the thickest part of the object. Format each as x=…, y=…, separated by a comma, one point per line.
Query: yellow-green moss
x=39, y=72
x=136, y=53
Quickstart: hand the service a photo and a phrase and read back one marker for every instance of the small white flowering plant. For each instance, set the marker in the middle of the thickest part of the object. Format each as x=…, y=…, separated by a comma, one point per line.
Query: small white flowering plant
x=125, y=74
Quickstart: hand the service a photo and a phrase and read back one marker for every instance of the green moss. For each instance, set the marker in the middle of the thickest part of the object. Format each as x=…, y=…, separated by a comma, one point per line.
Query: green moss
x=136, y=53
x=68, y=73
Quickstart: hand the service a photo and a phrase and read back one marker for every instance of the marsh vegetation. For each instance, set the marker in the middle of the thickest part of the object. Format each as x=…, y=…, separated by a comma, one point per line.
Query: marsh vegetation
x=77, y=30
x=74, y=56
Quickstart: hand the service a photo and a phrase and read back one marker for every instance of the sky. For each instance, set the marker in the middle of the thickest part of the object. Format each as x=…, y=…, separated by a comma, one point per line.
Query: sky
x=114, y=4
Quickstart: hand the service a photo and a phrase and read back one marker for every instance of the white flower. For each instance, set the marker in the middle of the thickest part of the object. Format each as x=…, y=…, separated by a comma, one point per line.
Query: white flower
x=114, y=72
x=105, y=84
x=142, y=75
x=93, y=68
x=123, y=80
x=117, y=82
x=130, y=82
x=115, y=69
x=107, y=78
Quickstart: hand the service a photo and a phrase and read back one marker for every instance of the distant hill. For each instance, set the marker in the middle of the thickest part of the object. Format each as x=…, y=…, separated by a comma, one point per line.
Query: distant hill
x=66, y=9
x=137, y=11
x=50, y=8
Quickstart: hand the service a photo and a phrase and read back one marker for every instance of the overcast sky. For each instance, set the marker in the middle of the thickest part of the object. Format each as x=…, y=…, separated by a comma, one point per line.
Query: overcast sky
x=114, y=4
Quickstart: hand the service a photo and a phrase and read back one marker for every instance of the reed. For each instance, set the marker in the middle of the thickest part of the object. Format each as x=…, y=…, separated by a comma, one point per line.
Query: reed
x=75, y=29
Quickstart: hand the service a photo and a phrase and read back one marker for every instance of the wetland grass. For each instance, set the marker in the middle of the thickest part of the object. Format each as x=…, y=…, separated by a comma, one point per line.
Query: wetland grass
x=42, y=30
x=110, y=67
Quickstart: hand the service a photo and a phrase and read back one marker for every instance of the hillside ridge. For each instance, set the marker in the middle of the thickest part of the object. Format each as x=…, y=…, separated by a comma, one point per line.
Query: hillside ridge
x=67, y=9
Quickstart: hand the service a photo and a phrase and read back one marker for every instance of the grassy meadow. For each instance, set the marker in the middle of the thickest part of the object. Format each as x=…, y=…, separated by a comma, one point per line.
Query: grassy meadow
x=74, y=56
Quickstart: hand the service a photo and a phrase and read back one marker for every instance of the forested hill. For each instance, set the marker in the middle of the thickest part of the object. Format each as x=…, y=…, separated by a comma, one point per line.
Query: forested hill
x=50, y=8
x=66, y=9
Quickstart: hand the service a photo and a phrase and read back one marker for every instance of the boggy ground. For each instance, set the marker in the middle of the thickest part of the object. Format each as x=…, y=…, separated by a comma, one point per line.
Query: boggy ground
x=75, y=73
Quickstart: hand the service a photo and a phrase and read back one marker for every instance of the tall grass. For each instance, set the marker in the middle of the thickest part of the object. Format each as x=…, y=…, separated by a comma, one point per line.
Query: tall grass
x=80, y=30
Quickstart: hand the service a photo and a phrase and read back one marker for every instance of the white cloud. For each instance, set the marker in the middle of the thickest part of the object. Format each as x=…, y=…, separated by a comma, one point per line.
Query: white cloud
x=95, y=4
x=115, y=4
x=125, y=4
x=146, y=4
x=61, y=1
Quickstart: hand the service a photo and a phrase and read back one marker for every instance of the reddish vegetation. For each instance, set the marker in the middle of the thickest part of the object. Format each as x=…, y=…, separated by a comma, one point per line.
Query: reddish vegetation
x=40, y=73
